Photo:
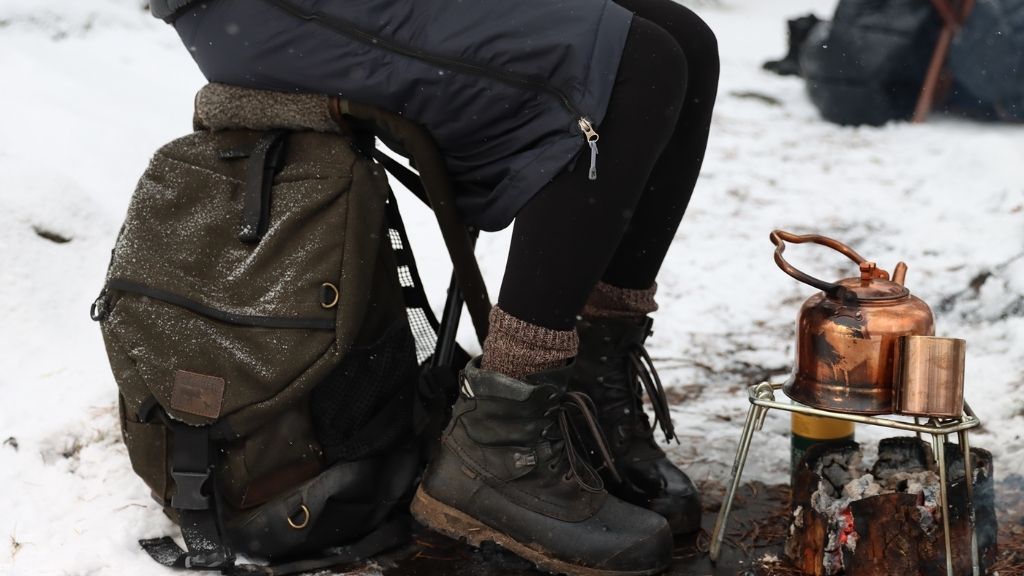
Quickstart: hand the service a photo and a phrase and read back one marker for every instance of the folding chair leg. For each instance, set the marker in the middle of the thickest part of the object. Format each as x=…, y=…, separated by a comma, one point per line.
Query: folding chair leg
x=445, y=353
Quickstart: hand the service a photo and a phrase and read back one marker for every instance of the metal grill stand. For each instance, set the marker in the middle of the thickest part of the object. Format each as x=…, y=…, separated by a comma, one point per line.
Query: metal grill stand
x=762, y=399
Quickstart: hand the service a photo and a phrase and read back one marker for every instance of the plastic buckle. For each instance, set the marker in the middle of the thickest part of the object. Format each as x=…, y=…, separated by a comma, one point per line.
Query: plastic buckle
x=188, y=493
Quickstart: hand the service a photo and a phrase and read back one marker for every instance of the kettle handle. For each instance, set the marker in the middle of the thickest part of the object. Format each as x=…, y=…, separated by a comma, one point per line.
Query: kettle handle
x=780, y=237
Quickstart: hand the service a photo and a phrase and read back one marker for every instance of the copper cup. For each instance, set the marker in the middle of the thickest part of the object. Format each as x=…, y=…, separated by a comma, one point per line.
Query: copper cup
x=929, y=376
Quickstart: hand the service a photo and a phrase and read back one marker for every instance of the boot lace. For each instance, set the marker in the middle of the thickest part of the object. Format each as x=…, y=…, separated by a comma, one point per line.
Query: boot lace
x=572, y=441
x=641, y=377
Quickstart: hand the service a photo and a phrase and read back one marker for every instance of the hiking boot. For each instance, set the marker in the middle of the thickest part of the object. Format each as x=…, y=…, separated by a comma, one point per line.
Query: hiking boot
x=511, y=471
x=613, y=368
x=799, y=29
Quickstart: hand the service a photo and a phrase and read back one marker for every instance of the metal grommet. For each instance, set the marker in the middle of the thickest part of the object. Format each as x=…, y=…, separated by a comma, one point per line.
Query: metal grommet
x=329, y=295
x=305, y=518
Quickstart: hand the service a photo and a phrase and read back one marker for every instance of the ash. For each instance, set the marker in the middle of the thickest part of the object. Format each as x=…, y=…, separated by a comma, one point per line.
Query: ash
x=902, y=467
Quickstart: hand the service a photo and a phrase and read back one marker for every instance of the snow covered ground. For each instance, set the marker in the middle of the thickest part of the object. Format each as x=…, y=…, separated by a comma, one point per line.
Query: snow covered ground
x=90, y=90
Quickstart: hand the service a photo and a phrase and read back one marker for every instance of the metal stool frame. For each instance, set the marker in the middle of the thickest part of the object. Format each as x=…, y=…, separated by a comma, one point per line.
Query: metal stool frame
x=762, y=399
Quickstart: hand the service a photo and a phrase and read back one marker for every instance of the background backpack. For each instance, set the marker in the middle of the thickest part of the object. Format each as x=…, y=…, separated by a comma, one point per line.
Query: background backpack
x=867, y=65
x=265, y=325
x=987, y=61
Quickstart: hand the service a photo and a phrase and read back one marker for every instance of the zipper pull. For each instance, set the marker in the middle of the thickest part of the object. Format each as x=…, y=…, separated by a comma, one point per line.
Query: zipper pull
x=592, y=137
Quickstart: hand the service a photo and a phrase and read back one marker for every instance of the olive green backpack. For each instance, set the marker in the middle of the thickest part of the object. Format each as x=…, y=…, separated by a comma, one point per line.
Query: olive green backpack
x=278, y=366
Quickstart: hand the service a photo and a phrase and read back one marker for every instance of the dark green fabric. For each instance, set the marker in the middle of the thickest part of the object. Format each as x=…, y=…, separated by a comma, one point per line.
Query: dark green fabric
x=181, y=237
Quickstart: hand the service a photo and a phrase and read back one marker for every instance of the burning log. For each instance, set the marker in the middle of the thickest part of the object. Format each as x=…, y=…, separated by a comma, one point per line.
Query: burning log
x=849, y=520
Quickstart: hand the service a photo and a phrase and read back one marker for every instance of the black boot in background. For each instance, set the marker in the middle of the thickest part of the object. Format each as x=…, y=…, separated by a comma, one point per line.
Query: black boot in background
x=511, y=470
x=799, y=29
x=613, y=368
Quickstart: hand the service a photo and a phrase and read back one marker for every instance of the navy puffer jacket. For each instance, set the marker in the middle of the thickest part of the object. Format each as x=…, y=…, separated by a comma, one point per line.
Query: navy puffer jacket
x=509, y=89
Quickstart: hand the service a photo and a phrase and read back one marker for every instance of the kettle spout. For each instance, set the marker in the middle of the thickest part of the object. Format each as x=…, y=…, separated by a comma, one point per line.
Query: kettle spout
x=900, y=273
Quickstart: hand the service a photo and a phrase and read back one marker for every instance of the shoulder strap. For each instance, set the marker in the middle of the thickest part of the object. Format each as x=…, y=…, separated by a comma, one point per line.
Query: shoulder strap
x=412, y=291
x=437, y=189
x=407, y=177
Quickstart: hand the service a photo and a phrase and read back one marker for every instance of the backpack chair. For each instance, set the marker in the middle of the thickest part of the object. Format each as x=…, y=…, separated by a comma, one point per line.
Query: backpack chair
x=281, y=380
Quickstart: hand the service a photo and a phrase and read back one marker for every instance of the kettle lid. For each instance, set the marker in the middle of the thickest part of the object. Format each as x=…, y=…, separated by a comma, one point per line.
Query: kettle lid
x=874, y=285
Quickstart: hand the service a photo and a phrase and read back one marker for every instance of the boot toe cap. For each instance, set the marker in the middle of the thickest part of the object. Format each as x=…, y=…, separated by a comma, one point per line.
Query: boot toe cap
x=660, y=486
x=679, y=501
x=649, y=554
x=683, y=511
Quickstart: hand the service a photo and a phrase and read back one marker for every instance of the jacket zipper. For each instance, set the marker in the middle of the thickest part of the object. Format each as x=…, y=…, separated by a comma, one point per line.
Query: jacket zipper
x=348, y=29
x=229, y=317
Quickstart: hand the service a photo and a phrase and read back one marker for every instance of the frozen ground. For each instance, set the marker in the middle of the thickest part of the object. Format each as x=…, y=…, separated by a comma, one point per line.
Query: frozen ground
x=89, y=90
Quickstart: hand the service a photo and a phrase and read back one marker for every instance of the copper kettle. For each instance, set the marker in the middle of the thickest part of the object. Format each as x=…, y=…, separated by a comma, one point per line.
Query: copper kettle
x=847, y=334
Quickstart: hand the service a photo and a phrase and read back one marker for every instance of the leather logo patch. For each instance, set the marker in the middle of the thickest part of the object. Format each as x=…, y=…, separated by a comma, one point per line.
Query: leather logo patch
x=197, y=394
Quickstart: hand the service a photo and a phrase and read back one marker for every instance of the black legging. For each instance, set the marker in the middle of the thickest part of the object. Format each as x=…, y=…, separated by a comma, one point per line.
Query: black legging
x=618, y=228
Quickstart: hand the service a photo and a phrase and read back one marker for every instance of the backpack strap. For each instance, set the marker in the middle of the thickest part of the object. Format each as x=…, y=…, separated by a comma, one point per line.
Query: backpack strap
x=195, y=503
x=436, y=185
x=407, y=177
x=388, y=535
x=446, y=351
x=413, y=294
x=437, y=387
x=264, y=161
x=194, y=499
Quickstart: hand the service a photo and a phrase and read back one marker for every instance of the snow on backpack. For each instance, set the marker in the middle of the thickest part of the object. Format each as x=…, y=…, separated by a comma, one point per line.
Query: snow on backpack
x=265, y=325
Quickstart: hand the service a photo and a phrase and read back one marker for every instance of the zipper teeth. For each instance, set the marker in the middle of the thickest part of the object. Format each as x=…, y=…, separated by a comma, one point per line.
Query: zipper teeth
x=229, y=317
x=349, y=29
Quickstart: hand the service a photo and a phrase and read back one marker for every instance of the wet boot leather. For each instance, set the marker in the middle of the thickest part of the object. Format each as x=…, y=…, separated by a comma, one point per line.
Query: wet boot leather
x=613, y=368
x=507, y=473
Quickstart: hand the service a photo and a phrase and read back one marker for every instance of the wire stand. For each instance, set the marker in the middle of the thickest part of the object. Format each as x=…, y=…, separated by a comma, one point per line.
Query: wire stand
x=762, y=399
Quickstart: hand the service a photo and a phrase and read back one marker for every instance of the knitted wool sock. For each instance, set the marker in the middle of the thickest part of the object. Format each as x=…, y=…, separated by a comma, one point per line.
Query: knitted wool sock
x=517, y=348
x=607, y=301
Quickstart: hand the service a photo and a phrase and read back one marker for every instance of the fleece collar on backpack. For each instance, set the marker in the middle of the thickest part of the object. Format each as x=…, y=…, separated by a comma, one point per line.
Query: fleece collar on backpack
x=224, y=107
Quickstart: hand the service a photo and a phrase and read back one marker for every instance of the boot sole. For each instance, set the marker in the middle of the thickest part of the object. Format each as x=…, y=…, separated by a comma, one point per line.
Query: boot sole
x=458, y=525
